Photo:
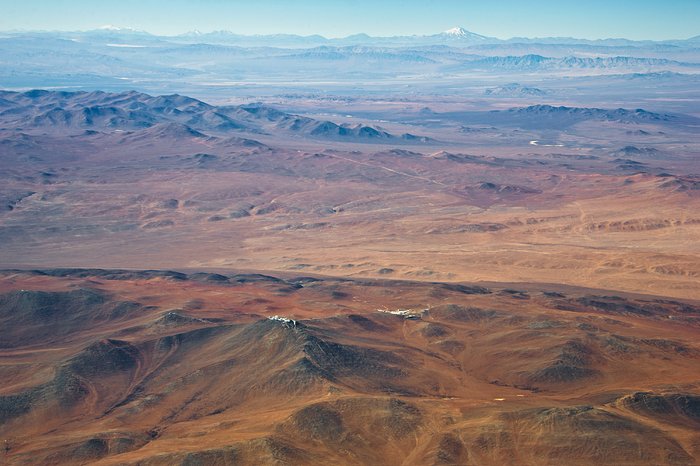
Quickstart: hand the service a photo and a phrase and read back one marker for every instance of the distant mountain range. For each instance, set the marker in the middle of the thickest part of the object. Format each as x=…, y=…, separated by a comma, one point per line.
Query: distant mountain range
x=620, y=114
x=173, y=116
x=456, y=36
x=122, y=60
x=536, y=62
x=515, y=90
x=141, y=116
x=539, y=117
x=115, y=59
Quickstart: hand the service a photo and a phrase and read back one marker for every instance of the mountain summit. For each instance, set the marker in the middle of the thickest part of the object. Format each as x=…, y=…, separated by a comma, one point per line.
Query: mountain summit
x=457, y=31
x=461, y=33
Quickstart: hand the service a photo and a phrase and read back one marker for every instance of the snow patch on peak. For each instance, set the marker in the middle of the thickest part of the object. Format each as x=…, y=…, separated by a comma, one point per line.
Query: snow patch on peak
x=461, y=33
x=111, y=27
x=457, y=31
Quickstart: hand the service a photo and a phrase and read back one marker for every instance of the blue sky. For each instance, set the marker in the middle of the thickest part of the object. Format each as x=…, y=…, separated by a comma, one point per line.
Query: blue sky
x=634, y=19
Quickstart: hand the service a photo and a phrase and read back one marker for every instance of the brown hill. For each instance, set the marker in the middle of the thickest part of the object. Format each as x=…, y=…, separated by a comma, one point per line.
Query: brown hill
x=302, y=370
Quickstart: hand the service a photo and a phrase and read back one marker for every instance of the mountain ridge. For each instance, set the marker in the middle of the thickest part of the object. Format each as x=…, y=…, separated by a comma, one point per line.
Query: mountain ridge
x=163, y=116
x=454, y=34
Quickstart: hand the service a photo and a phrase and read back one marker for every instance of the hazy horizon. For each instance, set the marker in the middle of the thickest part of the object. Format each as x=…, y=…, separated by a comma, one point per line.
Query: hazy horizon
x=594, y=20
x=120, y=28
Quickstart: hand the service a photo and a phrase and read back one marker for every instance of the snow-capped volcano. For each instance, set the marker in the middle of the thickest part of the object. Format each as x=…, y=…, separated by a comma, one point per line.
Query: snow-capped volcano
x=457, y=31
x=461, y=33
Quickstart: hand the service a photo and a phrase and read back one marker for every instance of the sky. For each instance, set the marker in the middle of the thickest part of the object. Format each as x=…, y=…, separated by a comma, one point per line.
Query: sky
x=589, y=19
